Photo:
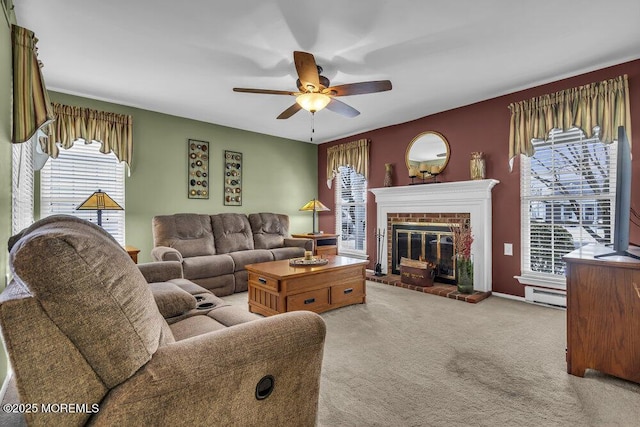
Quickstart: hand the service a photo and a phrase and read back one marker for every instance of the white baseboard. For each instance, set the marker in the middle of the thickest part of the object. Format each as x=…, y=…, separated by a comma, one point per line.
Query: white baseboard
x=507, y=296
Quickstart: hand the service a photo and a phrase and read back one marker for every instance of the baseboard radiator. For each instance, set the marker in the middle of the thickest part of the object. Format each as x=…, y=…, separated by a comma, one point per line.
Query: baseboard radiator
x=554, y=297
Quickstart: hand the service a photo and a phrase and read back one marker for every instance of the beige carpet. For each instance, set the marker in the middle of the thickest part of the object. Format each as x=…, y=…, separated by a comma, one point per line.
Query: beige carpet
x=411, y=359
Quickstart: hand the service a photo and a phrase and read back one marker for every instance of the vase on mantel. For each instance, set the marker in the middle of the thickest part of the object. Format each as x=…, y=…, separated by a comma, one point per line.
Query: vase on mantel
x=464, y=274
x=388, y=175
x=477, y=165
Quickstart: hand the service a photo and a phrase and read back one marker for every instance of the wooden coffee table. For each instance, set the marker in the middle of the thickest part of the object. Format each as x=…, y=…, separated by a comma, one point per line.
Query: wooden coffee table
x=277, y=287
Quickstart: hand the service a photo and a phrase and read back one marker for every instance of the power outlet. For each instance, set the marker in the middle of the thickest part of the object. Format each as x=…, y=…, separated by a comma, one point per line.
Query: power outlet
x=508, y=249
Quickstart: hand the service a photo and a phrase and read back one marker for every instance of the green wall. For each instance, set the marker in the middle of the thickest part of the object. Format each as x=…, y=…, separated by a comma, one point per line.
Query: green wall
x=5, y=156
x=280, y=175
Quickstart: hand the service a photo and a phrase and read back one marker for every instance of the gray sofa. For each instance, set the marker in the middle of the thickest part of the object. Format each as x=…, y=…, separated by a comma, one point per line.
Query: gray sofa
x=214, y=249
x=81, y=329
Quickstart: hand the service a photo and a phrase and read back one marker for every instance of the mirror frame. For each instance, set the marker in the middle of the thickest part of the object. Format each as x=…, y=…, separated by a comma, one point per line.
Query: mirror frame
x=417, y=138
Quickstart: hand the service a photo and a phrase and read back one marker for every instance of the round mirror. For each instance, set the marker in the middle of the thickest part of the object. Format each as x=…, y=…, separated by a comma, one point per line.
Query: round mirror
x=428, y=153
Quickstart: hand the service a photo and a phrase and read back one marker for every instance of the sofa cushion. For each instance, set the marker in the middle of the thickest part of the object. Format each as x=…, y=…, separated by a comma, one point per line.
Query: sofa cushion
x=171, y=300
x=242, y=258
x=198, y=267
x=188, y=286
x=269, y=229
x=188, y=233
x=194, y=326
x=97, y=297
x=232, y=232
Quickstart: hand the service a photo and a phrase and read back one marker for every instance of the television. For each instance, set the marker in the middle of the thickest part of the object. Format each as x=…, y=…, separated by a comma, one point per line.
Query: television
x=623, y=199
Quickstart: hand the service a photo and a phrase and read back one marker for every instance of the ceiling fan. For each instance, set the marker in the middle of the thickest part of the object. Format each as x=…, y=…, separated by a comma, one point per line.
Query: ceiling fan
x=314, y=90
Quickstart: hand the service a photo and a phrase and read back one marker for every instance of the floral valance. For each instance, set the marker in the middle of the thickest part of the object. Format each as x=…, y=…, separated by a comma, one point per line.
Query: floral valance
x=113, y=130
x=604, y=104
x=354, y=154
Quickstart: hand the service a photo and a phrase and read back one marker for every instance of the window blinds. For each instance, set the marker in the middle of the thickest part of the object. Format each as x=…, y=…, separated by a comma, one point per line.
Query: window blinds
x=72, y=177
x=568, y=198
x=351, y=210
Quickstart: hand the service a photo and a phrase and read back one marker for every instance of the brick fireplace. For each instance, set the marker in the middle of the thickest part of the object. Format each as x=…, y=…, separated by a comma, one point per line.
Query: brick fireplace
x=423, y=235
x=448, y=202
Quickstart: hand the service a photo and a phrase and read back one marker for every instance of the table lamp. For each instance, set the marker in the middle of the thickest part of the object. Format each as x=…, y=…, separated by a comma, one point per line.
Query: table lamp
x=314, y=205
x=99, y=201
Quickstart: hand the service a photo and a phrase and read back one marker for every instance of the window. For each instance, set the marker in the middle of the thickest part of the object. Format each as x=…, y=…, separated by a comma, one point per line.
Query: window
x=67, y=181
x=568, y=199
x=22, y=186
x=351, y=211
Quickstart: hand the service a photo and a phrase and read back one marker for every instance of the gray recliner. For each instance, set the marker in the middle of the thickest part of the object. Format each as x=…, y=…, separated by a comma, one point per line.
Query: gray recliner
x=81, y=327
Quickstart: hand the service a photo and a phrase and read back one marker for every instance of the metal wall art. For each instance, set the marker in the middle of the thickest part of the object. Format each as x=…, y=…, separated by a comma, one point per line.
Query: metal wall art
x=198, y=167
x=232, y=178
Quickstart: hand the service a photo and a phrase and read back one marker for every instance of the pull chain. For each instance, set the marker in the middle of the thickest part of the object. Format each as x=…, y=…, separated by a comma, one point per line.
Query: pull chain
x=313, y=114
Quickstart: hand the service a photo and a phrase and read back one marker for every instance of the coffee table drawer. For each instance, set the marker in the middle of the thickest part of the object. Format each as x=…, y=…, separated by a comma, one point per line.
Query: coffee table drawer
x=312, y=300
x=347, y=292
x=267, y=282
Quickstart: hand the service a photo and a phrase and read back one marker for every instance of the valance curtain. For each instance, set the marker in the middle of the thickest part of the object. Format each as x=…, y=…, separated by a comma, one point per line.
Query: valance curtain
x=604, y=104
x=354, y=154
x=31, y=107
x=113, y=130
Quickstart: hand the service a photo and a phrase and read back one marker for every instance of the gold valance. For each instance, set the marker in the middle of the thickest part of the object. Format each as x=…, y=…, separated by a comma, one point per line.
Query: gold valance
x=604, y=104
x=113, y=130
x=354, y=154
x=31, y=107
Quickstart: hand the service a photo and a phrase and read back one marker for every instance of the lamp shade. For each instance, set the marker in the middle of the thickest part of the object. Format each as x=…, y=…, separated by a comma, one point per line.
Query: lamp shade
x=314, y=205
x=313, y=101
x=100, y=200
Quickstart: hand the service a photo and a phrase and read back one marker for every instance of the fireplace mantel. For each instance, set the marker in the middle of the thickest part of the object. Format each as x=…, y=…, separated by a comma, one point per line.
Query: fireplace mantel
x=473, y=197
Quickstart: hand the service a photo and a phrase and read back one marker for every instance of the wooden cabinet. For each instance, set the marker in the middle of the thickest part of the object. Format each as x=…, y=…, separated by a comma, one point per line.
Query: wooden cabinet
x=276, y=287
x=323, y=244
x=603, y=313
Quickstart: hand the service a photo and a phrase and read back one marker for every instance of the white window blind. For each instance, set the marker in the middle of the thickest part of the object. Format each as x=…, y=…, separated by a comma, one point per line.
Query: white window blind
x=568, y=199
x=67, y=181
x=351, y=211
x=22, y=185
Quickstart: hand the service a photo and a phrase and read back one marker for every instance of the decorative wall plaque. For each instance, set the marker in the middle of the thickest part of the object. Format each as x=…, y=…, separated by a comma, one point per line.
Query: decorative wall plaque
x=232, y=193
x=198, y=169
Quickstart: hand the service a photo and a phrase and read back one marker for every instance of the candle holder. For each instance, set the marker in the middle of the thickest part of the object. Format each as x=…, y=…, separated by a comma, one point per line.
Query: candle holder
x=412, y=178
x=435, y=176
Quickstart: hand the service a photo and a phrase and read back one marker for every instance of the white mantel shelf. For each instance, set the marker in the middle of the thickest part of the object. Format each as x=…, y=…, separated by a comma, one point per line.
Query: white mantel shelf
x=472, y=197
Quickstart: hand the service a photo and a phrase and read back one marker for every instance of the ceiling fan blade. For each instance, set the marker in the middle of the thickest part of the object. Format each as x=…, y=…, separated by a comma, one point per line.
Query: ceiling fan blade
x=307, y=69
x=290, y=111
x=359, y=88
x=342, y=108
x=267, y=91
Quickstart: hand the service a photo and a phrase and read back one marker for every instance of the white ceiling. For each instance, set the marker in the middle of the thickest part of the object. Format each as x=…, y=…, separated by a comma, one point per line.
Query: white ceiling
x=184, y=58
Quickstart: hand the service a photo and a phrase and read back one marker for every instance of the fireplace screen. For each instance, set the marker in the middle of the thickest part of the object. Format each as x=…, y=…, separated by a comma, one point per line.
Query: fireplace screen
x=428, y=242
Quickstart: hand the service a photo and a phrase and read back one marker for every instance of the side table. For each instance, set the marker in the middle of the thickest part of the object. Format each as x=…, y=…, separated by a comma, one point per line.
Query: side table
x=133, y=252
x=323, y=244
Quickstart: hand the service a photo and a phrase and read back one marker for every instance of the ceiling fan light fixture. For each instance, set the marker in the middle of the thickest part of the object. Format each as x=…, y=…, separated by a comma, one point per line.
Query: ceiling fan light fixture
x=313, y=101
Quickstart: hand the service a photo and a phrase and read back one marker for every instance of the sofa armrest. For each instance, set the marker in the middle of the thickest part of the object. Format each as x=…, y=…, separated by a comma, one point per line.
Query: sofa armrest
x=299, y=242
x=165, y=253
x=211, y=379
x=161, y=271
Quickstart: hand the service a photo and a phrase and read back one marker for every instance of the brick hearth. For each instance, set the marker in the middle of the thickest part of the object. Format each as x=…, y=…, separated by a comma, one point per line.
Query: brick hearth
x=441, y=289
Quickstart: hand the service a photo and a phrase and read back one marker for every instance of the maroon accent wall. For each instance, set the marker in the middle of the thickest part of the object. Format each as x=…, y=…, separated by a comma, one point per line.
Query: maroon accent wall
x=483, y=126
